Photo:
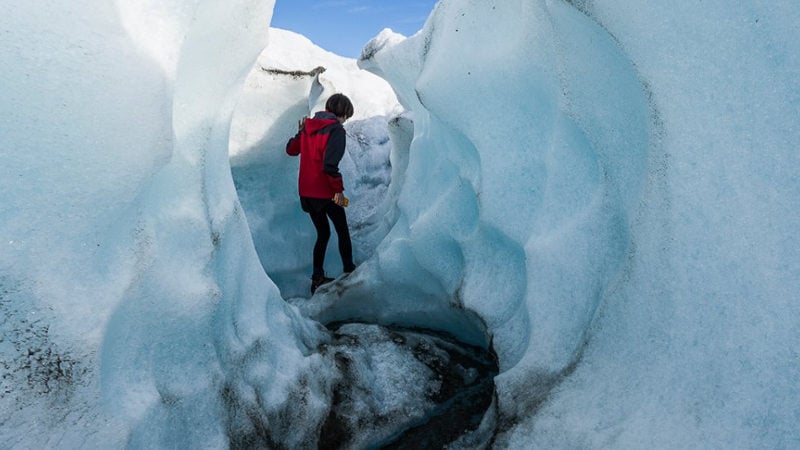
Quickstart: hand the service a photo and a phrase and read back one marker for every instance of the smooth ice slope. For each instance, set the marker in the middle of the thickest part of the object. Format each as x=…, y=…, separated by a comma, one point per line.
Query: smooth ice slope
x=134, y=306
x=612, y=187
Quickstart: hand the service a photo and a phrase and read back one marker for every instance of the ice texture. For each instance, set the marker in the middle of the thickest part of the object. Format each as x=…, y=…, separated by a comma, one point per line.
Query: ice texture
x=135, y=307
x=396, y=387
x=292, y=79
x=610, y=186
x=605, y=193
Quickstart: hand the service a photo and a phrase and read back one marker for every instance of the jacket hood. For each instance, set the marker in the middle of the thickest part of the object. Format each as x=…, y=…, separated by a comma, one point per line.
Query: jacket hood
x=320, y=120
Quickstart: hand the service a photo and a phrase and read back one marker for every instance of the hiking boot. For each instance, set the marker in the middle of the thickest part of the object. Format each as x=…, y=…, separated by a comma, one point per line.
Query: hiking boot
x=319, y=281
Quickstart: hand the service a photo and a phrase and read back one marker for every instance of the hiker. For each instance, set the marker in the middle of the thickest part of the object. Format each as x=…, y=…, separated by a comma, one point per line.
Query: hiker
x=320, y=142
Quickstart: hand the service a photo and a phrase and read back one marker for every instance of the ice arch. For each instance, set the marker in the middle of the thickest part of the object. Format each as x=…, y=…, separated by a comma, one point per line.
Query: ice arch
x=291, y=79
x=197, y=340
x=110, y=210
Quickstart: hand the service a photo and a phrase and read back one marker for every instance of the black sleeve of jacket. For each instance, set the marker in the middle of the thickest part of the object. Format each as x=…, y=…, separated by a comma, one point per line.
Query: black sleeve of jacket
x=334, y=151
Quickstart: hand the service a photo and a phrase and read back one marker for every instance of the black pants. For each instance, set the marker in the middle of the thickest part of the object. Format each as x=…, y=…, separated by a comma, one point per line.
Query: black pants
x=320, y=211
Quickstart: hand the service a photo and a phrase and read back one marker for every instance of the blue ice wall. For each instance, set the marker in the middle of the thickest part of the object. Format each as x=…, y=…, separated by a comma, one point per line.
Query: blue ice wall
x=610, y=186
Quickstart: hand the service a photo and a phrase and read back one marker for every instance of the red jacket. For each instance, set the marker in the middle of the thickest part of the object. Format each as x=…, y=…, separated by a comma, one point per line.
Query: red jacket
x=321, y=145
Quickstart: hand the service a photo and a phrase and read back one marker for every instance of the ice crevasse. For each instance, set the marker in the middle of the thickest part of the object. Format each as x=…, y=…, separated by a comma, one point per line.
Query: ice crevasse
x=604, y=192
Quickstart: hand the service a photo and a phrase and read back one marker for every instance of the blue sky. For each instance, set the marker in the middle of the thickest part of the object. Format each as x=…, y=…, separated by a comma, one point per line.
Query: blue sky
x=344, y=26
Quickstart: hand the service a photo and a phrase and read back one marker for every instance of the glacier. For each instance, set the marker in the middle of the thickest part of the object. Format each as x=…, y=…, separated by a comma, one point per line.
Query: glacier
x=603, y=194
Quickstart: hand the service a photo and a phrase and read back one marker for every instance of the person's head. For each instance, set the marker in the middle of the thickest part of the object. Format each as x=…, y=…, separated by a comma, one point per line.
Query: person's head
x=340, y=106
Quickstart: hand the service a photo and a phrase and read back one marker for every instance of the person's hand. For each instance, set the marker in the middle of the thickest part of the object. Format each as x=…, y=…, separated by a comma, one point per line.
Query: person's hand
x=338, y=198
x=301, y=123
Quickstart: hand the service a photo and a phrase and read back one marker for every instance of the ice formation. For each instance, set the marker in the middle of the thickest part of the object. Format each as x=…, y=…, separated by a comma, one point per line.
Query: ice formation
x=292, y=79
x=604, y=193
x=610, y=186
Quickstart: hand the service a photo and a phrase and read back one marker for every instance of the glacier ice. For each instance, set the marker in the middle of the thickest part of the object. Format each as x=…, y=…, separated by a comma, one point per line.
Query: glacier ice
x=534, y=169
x=603, y=192
x=291, y=79
x=639, y=156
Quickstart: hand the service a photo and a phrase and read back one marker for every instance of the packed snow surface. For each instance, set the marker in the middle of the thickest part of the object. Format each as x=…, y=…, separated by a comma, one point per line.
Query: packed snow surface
x=605, y=193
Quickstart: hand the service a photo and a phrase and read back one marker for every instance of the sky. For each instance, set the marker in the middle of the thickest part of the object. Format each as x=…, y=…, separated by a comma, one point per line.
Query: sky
x=344, y=26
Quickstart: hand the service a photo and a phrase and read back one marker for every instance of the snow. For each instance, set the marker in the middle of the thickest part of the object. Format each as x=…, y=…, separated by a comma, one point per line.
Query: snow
x=603, y=192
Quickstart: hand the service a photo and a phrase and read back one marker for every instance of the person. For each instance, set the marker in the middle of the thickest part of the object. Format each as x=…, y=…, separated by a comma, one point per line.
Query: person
x=320, y=142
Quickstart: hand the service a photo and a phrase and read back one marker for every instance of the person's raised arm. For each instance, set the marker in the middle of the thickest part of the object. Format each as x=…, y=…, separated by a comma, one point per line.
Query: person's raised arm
x=293, y=146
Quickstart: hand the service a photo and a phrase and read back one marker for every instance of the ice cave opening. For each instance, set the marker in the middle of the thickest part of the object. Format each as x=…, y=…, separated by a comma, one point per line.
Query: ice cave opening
x=401, y=375
x=622, y=211
x=431, y=252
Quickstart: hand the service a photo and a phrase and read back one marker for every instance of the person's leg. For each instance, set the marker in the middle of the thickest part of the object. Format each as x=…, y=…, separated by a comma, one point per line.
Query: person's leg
x=339, y=219
x=320, y=221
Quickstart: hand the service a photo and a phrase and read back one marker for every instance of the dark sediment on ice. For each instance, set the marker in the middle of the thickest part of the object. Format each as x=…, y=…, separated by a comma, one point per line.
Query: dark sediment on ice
x=401, y=388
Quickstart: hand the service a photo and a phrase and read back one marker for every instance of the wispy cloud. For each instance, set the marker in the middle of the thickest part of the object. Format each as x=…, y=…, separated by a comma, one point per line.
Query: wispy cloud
x=410, y=19
x=339, y=3
x=348, y=6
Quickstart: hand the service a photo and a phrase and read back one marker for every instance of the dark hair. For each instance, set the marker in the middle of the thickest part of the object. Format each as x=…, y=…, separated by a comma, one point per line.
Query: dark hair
x=339, y=105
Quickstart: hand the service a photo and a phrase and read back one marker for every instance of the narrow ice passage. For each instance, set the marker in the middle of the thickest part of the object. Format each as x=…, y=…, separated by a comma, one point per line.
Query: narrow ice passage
x=451, y=251
x=394, y=376
x=600, y=189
